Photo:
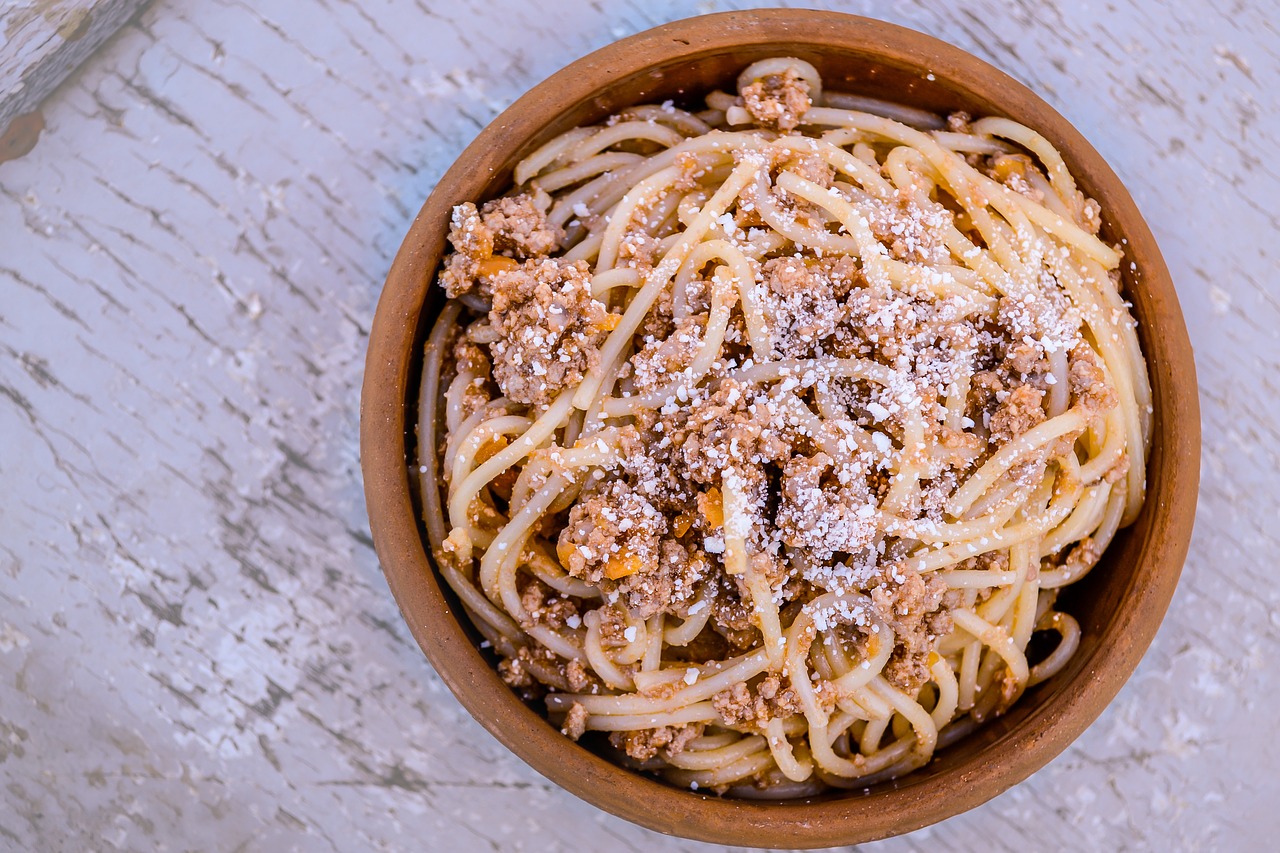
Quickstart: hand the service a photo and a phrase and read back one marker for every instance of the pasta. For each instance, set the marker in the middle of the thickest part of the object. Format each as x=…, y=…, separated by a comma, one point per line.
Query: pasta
x=762, y=438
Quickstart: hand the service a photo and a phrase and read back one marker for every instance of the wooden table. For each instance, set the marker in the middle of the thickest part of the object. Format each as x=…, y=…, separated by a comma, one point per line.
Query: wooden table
x=197, y=648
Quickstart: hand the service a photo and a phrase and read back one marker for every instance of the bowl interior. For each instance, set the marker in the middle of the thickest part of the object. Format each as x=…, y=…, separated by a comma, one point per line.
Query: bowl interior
x=1119, y=604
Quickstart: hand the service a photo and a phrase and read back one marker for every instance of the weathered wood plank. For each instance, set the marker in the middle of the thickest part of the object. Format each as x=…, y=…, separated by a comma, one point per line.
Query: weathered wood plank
x=195, y=639
x=41, y=43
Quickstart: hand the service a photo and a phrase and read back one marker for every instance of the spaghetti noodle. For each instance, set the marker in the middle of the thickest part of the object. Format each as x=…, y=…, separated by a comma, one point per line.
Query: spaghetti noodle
x=762, y=438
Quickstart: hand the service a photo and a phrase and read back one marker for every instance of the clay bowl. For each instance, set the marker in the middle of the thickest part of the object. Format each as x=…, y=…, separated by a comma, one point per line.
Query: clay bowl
x=1119, y=605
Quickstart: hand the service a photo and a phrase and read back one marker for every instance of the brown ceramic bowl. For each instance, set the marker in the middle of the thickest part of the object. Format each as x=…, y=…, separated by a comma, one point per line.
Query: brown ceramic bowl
x=1119, y=605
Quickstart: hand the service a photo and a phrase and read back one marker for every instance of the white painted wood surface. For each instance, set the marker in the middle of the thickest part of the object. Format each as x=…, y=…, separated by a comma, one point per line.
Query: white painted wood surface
x=197, y=648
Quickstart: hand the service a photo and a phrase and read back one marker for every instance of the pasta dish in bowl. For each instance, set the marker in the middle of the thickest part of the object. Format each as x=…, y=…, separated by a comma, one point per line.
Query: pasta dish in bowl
x=759, y=435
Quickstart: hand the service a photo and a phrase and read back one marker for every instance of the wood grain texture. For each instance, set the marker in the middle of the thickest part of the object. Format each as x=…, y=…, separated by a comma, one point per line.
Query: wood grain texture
x=43, y=41
x=195, y=640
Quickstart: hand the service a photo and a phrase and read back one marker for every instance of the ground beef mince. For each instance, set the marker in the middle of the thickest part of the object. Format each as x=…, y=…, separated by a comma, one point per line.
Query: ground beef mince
x=493, y=239
x=778, y=100
x=550, y=329
x=645, y=744
x=520, y=228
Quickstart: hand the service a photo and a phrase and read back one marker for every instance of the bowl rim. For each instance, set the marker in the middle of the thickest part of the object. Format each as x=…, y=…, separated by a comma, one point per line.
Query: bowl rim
x=910, y=804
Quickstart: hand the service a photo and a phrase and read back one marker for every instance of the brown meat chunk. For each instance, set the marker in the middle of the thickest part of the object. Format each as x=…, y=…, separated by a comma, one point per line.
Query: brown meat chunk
x=741, y=705
x=681, y=738
x=778, y=100
x=735, y=705
x=1034, y=324
x=958, y=122
x=613, y=627
x=1012, y=170
x=575, y=673
x=907, y=229
x=532, y=598
x=908, y=666
x=659, y=323
x=575, y=722
x=812, y=168
x=1091, y=215
x=729, y=428
x=1024, y=359
x=985, y=387
x=953, y=446
x=546, y=607
x=1090, y=389
x=468, y=233
x=690, y=171
x=662, y=358
x=666, y=586
x=551, y=329
x=1019, y=412
x=519, y=227
x=644, y=744
x=825, y=518
x=612, y=533
x=472, y=242
x=532, y=670
x=514, y=672
x=617, y=539
x=1082, y=557
x=486, y=241
x=470, y=358
x=731, y=617
x=912, y=604
x=904, y=332
x=801, y=296
x=905, y=670
x=637, y=249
